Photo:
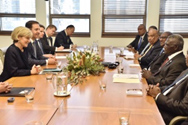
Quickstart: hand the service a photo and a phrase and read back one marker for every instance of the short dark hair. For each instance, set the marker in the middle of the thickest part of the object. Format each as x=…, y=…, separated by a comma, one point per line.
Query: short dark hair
x=153, y=27
x=51, y=26
x=30, y=23
x=70, y=26
x=41, y=26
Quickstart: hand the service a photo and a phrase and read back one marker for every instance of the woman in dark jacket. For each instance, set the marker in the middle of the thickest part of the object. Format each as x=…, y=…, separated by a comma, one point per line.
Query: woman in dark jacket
x=16, y=57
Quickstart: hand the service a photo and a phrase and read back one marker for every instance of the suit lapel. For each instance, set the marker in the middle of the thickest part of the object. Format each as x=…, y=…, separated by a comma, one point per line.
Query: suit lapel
x=31, y=51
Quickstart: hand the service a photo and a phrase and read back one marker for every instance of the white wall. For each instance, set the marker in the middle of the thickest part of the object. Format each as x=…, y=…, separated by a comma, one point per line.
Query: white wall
x=96, y=25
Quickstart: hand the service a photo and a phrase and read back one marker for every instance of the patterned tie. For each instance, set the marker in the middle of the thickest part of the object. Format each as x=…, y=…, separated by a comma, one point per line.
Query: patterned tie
x=177, y=81
x=147, y=50
x=139, y=44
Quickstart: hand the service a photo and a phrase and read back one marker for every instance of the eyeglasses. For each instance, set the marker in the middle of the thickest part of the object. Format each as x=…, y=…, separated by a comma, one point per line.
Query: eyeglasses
x=162, y=37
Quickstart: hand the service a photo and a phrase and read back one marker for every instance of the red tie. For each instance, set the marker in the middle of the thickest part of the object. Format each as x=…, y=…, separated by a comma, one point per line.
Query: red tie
x=164, y=62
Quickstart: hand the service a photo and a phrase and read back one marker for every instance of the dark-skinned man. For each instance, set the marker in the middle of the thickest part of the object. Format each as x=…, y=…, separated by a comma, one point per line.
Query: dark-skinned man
x=155, y=64
x=171, y=68
x=153, y=49
x=172, y=100
x=141, y=40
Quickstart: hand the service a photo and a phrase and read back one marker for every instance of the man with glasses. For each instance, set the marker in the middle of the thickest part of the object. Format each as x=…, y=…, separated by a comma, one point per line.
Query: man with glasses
x=161, y=56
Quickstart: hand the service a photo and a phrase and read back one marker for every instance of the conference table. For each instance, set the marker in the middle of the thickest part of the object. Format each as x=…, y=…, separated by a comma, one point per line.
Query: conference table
x=87, y=104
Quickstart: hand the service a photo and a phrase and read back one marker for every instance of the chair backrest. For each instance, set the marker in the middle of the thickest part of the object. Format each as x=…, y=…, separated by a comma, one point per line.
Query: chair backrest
x=2, y=56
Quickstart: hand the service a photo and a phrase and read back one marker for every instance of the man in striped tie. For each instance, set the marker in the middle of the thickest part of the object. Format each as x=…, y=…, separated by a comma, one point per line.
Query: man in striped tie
x=172, y=100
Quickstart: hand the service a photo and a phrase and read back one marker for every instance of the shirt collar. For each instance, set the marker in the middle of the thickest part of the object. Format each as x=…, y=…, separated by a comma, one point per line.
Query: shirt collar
x=46, y=35
x=65, y=33
x=174, y=54
x=31, y=41
x=143, y=35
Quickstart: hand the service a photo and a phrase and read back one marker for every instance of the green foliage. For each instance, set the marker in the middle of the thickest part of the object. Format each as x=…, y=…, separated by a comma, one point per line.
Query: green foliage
x=80, y=65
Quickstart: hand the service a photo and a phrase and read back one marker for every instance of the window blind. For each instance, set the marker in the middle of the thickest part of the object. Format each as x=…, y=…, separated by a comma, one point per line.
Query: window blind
x=123, y=16
x=174, y=16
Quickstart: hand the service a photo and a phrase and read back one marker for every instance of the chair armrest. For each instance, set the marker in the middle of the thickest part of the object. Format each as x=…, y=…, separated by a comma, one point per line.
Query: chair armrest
x=177, y=119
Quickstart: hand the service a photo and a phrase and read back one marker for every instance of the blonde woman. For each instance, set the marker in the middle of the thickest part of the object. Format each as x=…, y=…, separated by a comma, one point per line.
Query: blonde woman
x=16, y=57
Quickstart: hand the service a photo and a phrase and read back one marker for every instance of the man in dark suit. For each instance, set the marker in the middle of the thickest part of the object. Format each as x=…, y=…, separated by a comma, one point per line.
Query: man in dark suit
x=47, y=41
x=161, y=56
x=140, y=41
x=172, y=100
x=35, y=55
x=63, y=38
x=151, y=51
x=155, y=64
x=171, y=68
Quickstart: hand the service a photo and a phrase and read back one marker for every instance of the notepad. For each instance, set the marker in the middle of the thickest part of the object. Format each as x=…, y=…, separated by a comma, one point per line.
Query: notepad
x=126, y=78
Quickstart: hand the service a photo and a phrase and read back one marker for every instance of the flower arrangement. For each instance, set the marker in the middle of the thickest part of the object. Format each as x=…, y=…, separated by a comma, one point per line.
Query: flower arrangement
x=82, y=64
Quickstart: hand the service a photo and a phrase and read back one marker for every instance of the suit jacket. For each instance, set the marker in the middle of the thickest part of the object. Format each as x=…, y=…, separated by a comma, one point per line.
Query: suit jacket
x=175, y=102
x=16, y=63
x=62, y=40
x=170, y=71
x=134, y=43
x=157, y=62
x=39, y=59
x=145, y=60
x=46, y=47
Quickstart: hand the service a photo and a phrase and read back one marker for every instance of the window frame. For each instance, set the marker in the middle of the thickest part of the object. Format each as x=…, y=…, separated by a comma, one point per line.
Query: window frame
x=16, y=15
x=73, y=16
x=120, y=34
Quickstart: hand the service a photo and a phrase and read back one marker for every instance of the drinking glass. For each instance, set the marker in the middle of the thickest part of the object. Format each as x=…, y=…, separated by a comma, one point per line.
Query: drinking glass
x=29, y=95
x=124, y=117
x=102, y=84
x=111, y=49
x=48, y=75
x=59, y=64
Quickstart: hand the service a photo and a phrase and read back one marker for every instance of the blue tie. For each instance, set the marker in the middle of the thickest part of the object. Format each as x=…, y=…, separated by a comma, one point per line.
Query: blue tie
x=161, y=51
x=139, y=44
x=176, y=81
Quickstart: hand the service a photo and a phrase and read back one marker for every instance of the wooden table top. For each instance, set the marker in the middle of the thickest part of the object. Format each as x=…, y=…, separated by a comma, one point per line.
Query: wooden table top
x=87, y=104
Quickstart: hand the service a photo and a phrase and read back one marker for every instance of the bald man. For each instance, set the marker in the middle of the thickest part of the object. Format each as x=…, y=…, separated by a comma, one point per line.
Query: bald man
x=152, y=50
x=161, y=56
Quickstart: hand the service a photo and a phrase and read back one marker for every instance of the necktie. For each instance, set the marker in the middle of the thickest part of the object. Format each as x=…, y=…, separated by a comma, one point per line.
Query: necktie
x=49, y=42
x=34, y=50
x=139, y=43
x=162, y=50
x=164, y=62
x=40, y=46
x=147, y=50
x=177, y=81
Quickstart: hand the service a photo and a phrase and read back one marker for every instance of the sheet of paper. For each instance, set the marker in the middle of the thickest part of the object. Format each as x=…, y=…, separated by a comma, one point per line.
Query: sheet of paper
x=129, y=57
x=64, y=50
x=126, y=78
x=134, y=65
x=60, y=57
